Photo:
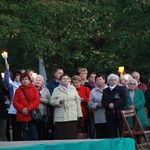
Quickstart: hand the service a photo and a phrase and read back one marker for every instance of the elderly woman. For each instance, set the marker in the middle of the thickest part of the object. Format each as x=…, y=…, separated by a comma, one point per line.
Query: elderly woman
x=67, y=110
x=24, y=107
x=136, y=101
x=114, y=100
x=95, y=103
x=43, y=107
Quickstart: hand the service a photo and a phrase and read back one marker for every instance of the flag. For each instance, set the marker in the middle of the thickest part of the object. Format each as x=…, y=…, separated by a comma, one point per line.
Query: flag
x=42, y=70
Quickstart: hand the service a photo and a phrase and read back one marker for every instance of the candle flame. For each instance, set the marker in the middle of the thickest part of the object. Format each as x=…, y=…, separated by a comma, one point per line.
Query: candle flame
x=4, y=54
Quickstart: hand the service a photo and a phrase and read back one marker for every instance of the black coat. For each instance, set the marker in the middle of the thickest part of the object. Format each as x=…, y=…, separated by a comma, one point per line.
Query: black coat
x=117, y=96
x=3, y=106
x=147, y=100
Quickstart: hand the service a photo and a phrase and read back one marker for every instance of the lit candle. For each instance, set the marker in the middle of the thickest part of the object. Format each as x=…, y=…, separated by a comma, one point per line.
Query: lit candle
x=5, y=56
x=34, y=75
x=2, y=74
x=121, y=69
x=127, y=77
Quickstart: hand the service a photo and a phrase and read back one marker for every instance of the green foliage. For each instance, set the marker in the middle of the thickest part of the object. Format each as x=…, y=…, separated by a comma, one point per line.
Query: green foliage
x=100, y=35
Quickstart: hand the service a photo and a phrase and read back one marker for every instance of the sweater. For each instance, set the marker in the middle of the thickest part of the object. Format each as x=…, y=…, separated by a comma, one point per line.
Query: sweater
x=84, y=93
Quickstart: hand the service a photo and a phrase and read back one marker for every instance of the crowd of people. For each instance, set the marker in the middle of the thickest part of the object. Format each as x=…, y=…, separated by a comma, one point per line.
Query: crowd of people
x=88, y=104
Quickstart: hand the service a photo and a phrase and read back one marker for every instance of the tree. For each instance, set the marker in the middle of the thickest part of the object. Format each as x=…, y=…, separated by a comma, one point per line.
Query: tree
x=100, y=35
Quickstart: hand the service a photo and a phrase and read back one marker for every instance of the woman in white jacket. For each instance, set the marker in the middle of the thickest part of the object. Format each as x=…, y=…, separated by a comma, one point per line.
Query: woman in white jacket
x=66, y=101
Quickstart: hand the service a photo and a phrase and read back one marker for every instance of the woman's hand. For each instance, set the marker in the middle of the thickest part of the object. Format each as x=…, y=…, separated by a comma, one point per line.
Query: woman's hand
x=132, y=107
x=62, y=101
x=25, y=111
x=111, y=105
x=99, y=105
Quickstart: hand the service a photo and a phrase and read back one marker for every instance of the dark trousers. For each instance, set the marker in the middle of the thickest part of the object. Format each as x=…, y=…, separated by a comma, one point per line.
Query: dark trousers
x=29, y=131
x=87, y=124
x=114, y=125
x=16, y=128
x=42, y=132
x=92, y=127
x=101, y=130
x=8, y=129
x=3, y=122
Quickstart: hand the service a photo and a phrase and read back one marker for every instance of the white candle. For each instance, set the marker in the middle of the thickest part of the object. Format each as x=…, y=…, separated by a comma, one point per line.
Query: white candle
x=34, y=75
x=2, y=74
x=5, y=56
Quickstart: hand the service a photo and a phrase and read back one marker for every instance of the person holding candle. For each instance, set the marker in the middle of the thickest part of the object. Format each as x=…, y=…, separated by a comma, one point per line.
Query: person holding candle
x=12, y=85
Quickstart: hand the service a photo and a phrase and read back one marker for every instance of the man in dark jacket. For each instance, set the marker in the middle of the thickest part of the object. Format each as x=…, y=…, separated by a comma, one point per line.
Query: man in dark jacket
x=55, y=82
x=51, y=86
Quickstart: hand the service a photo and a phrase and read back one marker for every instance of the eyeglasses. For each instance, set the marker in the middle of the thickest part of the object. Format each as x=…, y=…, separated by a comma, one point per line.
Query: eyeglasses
x=113, y=80
x=132, y=84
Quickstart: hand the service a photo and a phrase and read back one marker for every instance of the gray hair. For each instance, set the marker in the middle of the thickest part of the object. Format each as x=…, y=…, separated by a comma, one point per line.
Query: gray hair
x=112, y=76
x=129, y=81
x=41, y=77
x=135, y=72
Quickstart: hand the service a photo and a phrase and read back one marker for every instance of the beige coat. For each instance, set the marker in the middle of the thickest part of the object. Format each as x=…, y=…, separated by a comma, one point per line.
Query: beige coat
x=44, y=101
x=71, y=109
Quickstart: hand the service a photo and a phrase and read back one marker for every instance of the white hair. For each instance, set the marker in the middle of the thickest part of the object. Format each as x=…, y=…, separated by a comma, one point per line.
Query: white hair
x=112, y=76
x=129, y=81
x=41, y=77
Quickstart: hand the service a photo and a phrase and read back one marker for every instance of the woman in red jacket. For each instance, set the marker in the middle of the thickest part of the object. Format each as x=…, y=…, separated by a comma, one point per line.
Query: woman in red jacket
x=84, y=93
x=23, y=108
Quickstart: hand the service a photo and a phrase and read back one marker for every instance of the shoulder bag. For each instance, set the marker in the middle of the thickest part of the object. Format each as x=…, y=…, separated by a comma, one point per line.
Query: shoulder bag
x=35, y=114
x=89, y=110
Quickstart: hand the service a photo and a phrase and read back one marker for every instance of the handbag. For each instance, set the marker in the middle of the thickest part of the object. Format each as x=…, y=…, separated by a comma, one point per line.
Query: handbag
x=48, y=120
x=88, y=109
x=35, y=114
